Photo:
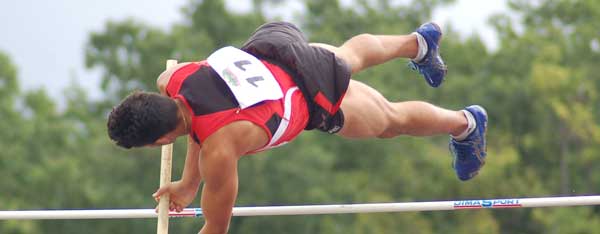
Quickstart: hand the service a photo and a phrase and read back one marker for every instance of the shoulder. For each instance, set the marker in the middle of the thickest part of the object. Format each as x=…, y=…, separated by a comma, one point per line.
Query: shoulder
x=237, y=138
x=164, y=78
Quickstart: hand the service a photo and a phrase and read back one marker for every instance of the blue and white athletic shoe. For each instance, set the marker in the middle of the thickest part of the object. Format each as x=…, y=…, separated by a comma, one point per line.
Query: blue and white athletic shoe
x=431, y=66
x=469, y=154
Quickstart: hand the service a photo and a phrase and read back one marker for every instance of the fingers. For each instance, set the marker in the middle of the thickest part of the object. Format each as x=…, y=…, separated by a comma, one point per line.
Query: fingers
x=165, y=190
x=162, y=190
x=173, y=206
x=157, y=194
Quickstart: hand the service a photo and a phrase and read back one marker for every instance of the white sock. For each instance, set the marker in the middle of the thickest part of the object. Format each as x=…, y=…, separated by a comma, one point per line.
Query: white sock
x=471, y=125
x=422, y=51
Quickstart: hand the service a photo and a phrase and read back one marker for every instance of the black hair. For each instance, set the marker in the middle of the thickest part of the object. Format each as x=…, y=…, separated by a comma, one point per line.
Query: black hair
x=141, y=118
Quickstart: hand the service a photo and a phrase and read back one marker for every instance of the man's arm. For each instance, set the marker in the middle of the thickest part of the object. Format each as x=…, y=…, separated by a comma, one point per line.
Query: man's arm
x=191, y=170
x=218, y=166
x=183, y=192
x=219, y=170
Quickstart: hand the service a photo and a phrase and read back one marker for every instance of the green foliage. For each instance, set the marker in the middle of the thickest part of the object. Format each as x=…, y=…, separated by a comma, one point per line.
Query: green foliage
x=540, y=89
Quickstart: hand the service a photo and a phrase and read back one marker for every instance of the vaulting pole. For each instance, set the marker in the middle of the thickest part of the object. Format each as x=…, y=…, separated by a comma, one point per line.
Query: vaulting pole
x=166, y=159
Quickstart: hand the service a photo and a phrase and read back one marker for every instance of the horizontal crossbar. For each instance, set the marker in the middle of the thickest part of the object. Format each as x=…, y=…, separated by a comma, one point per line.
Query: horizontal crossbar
x=312, y=209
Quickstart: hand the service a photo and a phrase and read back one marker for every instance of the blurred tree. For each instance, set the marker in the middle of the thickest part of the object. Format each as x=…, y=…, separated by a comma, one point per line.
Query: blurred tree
x=540, y=88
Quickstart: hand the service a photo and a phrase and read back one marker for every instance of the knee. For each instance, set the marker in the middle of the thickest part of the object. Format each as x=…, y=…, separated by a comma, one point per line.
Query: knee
x=398, y=123
x=365, y=45
x=364, y=38
x=361, y=49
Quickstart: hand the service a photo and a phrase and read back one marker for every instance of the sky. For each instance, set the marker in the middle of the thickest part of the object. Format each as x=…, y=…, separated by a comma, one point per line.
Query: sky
x=46, y=39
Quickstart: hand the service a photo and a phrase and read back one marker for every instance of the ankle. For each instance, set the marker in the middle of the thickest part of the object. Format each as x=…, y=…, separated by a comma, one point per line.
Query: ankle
x=466, y=127
x=422, y=47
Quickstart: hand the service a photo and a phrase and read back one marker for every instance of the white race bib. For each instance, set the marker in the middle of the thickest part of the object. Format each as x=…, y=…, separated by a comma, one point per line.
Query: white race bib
x=249, y=80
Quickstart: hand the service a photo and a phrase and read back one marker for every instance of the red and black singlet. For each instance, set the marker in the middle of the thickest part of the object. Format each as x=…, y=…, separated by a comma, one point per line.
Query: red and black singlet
x=213, y=105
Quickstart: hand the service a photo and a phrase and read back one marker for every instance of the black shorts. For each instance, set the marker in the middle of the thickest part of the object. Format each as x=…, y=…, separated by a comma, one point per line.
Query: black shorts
x=322, y=77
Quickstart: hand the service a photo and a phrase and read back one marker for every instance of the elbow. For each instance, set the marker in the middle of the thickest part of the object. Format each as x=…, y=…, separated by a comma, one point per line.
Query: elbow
x=217, y=168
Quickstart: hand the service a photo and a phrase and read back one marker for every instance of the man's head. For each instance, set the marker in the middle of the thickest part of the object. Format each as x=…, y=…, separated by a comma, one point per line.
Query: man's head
x=141, y=119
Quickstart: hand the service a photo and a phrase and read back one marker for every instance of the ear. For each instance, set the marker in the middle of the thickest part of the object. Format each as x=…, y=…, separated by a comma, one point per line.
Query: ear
x=163, y=140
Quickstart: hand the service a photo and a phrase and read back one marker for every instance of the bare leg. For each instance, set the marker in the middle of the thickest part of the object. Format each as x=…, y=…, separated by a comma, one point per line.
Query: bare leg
x=366, y=50
x=368, y=114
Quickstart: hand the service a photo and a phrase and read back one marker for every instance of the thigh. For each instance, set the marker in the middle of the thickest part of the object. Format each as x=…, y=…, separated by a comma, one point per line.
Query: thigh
x=347, y=56
x=365, y=112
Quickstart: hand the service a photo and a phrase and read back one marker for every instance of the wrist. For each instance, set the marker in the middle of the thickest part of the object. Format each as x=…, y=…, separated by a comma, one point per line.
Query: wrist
x=190, y=182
